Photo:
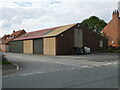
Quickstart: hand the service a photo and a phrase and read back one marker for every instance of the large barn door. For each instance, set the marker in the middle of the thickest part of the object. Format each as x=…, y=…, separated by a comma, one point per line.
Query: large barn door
x=38, y=46
x=78, y=38
x=28, y=46
x=16, y=47
x=50, y=46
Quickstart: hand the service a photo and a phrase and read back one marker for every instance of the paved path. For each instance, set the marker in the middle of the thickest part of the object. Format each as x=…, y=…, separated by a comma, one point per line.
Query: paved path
x=63, y=71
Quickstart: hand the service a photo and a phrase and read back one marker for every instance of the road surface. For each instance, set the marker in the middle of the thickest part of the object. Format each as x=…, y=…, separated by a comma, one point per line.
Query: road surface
x=83, y=71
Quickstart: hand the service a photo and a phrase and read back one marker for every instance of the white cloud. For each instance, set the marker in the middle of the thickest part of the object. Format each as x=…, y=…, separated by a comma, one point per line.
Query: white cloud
x=36, y=14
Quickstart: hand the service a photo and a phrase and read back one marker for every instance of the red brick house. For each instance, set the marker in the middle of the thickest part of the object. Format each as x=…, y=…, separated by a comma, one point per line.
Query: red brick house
x=112, y=30
x=6, y=39
x=2, y=46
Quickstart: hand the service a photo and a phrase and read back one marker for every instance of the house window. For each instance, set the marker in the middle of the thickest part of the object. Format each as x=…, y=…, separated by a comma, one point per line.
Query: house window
x=101, y=43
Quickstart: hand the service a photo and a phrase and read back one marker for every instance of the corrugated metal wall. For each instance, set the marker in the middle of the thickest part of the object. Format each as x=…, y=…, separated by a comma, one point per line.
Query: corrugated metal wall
x=49, y=46
x=38, y=46
x=92, y=40
x=65, y=43
x=16, y=47
x=78, y=38
x=28, y=46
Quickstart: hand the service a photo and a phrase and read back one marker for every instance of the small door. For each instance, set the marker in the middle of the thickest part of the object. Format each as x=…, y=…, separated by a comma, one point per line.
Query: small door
x=38, y=46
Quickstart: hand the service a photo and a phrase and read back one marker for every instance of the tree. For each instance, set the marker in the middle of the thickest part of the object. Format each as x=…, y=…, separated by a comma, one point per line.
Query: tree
x=94, y=23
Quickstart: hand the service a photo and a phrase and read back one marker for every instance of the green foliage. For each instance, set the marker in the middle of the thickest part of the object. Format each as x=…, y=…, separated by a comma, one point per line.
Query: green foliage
x=94, y=23
x=6, y=62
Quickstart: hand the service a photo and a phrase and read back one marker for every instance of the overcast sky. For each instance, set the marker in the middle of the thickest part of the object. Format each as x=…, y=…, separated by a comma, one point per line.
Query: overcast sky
x=34, y=15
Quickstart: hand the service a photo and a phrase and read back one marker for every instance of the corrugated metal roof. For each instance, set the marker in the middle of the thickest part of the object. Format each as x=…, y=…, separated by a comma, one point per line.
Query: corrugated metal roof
x=45, y=32
x=59, y=30
x=34, y=34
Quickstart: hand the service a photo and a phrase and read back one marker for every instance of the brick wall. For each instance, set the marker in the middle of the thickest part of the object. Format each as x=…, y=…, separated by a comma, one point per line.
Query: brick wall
x=112, y=30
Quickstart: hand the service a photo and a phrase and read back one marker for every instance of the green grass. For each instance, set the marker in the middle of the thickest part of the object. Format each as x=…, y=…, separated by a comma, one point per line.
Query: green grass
x=5, y=63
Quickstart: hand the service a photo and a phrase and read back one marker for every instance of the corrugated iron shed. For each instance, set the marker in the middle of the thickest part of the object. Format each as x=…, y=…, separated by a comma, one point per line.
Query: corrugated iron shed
x=45, y=32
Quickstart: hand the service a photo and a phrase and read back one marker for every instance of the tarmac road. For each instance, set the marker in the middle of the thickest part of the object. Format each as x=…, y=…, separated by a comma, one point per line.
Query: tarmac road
x=38, y=71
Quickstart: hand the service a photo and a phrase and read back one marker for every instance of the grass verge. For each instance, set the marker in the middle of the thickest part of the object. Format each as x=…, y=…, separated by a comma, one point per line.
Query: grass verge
x=5, y=63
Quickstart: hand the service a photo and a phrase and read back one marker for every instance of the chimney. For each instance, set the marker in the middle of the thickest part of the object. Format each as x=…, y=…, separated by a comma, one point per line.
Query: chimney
x=119, y=6
x=115, y=14
x=13, y=31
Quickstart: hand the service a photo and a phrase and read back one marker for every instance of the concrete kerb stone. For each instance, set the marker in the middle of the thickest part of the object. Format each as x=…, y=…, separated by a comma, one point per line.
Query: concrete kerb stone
x=17, y=67
x=4, y=72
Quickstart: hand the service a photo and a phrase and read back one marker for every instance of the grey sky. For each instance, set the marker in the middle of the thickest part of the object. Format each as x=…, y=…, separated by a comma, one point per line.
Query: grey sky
x=38, y=14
